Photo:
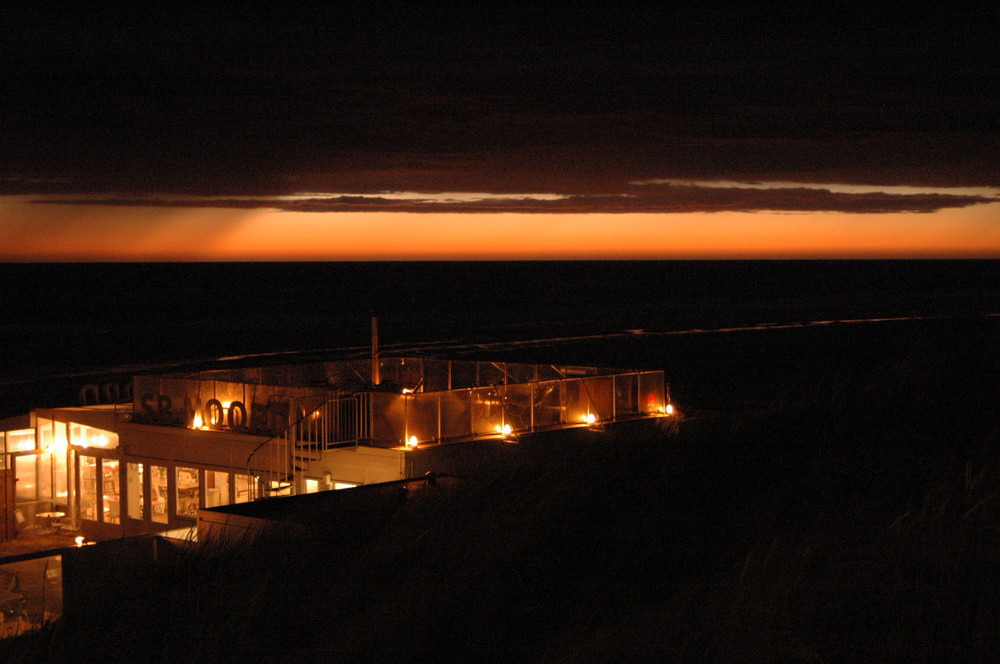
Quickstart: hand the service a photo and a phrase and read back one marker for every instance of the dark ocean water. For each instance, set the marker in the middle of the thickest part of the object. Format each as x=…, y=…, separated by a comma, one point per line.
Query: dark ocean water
x=68, y=323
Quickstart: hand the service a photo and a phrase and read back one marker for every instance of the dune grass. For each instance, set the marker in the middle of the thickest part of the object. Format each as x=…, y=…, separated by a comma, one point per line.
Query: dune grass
x=842, y=510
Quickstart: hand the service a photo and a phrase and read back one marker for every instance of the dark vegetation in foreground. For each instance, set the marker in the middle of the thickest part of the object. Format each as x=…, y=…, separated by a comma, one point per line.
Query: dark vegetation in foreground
x=832, y=496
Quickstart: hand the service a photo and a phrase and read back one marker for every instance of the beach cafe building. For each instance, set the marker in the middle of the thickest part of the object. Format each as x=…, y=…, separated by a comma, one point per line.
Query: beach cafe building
x=187, y=441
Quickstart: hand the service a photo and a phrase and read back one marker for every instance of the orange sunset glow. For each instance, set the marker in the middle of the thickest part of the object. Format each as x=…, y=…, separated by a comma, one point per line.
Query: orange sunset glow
x=53, y=232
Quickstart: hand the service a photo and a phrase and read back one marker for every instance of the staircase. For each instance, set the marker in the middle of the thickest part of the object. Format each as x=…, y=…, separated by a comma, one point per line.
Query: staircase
x=337, y=421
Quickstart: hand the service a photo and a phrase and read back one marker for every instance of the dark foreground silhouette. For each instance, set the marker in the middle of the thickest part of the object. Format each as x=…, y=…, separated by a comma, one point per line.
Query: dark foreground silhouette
x=832, y=495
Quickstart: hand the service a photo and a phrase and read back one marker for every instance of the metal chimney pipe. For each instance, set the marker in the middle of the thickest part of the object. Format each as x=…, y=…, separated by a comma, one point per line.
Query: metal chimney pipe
x=376, y=373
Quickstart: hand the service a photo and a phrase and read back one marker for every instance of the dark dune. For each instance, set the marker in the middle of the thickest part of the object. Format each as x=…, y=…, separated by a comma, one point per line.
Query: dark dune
x=829, y=496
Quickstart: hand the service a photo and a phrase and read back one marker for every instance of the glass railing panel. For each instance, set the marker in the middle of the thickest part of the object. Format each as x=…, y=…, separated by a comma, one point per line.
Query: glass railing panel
x=421, y=417
x=517, y=406
x=599, y=394
x=626, y=395
x=456, y=414
x=548, y=403
x=389, y=419
x=651, y=392
x=487, y=411
x=31, y=594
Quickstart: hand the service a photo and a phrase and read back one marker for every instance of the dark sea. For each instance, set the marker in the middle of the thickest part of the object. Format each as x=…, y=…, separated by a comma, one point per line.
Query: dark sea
x=66, y=325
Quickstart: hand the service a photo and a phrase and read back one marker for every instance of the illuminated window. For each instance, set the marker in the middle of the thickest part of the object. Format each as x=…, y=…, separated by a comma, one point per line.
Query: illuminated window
x=312, y=485
x=83, y=436
x=26, y=471
x=60, y=467
x=158, y=493
x=43, y=465
x=111, y=492
x=45, y=432
x=187, y=492
x=136, y=496
x=242, y=485
x=279, y=488
x=22, y=440
x=88, y=487
x=216, y=488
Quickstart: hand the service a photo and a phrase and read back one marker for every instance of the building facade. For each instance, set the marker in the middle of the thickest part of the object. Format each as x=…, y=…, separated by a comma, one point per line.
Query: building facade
x=187, y=441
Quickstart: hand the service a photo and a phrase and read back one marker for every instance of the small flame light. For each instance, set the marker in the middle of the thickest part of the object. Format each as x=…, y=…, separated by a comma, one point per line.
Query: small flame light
x=670, y=409
x=590, y=418
x=412, y=442
x=79, y=540
x=504, y=430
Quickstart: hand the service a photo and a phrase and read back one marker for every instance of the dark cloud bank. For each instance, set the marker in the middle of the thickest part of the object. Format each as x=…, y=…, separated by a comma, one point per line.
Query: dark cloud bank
x=390, y=98
x=662, y=198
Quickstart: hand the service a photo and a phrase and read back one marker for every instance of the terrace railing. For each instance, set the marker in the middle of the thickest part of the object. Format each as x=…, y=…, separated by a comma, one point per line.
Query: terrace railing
x=301, y=423
x=508, y=409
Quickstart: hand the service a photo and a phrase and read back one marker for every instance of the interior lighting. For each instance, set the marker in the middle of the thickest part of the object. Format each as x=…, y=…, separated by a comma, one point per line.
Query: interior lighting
x=57, y=447
x=96, y=440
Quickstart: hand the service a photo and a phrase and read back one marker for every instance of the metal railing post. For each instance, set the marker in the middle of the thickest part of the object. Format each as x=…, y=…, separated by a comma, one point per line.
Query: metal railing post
x=531, y=404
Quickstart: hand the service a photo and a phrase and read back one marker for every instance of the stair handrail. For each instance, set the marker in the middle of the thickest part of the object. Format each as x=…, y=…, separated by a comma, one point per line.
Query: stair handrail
x=283, y=432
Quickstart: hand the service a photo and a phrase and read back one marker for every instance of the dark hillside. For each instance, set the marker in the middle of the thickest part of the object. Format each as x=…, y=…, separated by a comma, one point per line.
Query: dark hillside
x=832, y=496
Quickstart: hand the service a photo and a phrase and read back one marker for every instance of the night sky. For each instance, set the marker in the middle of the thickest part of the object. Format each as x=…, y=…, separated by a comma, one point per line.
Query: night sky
x=399, y=132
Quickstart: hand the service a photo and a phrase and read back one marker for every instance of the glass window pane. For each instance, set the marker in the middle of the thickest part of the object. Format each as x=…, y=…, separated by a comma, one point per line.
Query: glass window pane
x=84, y=436
x=60, y=458
x=45, y=429
x=216, y=488
x=136, y=497
x=187, y=492
x=158, y=493
x=88, y=487
x=242, y=485
x=26, y=472
x=22, y=440
x=43, y=471
x=279, y=488
x=111, y=491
